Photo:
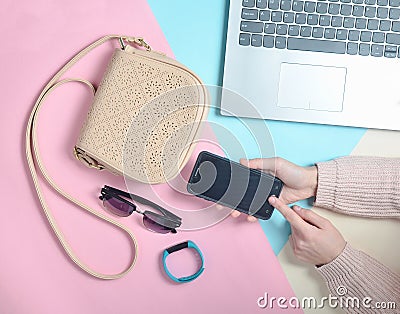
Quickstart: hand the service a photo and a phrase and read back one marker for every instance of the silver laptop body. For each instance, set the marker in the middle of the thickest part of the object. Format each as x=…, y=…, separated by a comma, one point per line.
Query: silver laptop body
x=328, y=62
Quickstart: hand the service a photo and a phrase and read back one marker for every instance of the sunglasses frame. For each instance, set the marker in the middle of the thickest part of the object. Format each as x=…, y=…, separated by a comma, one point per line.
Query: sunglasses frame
x=171, y=220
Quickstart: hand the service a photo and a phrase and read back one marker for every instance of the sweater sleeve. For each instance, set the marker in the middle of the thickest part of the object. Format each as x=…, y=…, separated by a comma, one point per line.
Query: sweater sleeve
x=354, y=274
x=360, y=186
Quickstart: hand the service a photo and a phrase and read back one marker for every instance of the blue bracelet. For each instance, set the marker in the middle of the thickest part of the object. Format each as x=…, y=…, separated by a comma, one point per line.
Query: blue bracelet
x=178, y=247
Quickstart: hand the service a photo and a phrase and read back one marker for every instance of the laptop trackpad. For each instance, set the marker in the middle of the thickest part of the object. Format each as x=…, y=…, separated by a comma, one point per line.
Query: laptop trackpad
x=313, y=87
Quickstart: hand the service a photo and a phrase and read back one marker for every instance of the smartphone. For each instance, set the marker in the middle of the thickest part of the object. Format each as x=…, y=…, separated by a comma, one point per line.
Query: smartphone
x=231, y=184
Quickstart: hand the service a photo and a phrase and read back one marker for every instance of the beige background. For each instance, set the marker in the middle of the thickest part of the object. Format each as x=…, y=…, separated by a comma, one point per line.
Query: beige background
x=377, y=237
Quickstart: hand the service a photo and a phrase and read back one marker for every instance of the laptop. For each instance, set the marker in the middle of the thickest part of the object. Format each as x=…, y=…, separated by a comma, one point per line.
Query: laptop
x=330, y=62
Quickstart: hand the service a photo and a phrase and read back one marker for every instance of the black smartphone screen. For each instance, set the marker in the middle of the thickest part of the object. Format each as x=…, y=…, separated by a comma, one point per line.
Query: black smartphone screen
x=231, y=184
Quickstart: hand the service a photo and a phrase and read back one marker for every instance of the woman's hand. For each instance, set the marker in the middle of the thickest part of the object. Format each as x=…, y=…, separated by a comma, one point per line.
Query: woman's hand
x=299, y=182
x=314, y=239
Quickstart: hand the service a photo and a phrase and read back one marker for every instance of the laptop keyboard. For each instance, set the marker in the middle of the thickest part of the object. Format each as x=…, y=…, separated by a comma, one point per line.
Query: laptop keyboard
x=355, y=27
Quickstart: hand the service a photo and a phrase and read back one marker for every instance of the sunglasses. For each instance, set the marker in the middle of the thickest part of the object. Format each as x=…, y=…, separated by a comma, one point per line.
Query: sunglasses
x=115, y=201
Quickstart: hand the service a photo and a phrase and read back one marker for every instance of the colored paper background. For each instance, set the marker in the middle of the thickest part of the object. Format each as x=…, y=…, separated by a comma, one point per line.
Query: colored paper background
x=36, y=276
x=196, y=33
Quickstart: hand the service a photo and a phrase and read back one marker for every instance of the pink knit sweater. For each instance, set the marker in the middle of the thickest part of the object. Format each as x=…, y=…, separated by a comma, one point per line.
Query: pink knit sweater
x=367, y=187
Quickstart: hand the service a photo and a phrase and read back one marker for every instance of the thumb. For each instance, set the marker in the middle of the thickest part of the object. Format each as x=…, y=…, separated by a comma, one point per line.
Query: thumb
x=311, y=217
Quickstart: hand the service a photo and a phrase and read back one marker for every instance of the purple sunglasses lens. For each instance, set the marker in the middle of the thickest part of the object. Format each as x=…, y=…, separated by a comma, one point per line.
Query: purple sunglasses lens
x=117, y=207
x=154, y=226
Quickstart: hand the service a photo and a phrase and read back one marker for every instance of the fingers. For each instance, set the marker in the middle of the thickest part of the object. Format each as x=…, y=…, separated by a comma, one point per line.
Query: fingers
x=294, y=219
x=311, y=217
x=251, y=219
x=235, y=214
x=266, y=164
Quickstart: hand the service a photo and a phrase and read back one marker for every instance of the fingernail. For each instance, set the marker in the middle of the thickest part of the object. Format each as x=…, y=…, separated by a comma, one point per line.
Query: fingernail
x=235, y=214
x=243, y=161
x=272, y=199
x=251, y=219
x=296, y=208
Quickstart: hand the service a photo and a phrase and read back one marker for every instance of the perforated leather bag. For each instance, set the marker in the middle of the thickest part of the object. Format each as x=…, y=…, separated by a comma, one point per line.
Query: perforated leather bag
x=145, y=117
x=143, y=122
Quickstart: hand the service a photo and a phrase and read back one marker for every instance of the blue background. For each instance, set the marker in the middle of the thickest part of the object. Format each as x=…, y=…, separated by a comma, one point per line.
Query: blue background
x=196, y=32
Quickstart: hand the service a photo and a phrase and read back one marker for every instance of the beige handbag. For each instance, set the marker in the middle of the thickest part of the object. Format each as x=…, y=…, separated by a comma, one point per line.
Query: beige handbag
x=145, y=116
x=131, y=72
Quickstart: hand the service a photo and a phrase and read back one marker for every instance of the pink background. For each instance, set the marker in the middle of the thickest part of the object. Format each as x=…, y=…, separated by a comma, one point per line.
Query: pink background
x=36, y=276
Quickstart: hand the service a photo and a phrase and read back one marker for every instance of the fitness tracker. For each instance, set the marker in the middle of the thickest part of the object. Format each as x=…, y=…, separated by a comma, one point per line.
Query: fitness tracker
x=178, y=247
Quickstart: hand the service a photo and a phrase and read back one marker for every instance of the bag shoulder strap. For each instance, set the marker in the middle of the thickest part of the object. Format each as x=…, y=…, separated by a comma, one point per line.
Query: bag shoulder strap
x=36, y=165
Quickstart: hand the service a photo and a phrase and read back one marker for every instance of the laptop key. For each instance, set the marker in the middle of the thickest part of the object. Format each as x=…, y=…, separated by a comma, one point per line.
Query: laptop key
x=288, y=17
x=354, y=35
x=322, y=7
x=393, y=39
x=268, y=41
x=361, y=23
x=248, y=3
x=330, y=33
x=261, y=4
x=280, y=42
x=364, y=49
x=352, y=48
x=281, y=29
x=382, y=13
x=366, y=36
x=286, y=5
x=297, y=6
x=377, y=50
x=256, y=40
x=358, y=10
x=251, y=27
x=244, y=39
x=385, y=25
x=276, y=16
x=378, y=37
x=317, y=32
x=383, y=2
x=358, y=1
x=273, y=4
x=305, y=31
x=370, y=2
x=312, y=19
x=325, y=20
x=309, y=7
x=391, y=49
x=294, y=30
x=269, y=28
x=336, y=21
x=316, y=45
x=394, y=3
x=345, y=9
x=373, y=24
x=389, y=54
x=341, y=34
x=396, y=26
x=334, y=8
x=394, y=14
x=349, y=22
x=301, y=18
x=249, y=14
x=370, y=11
x=265, y=15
